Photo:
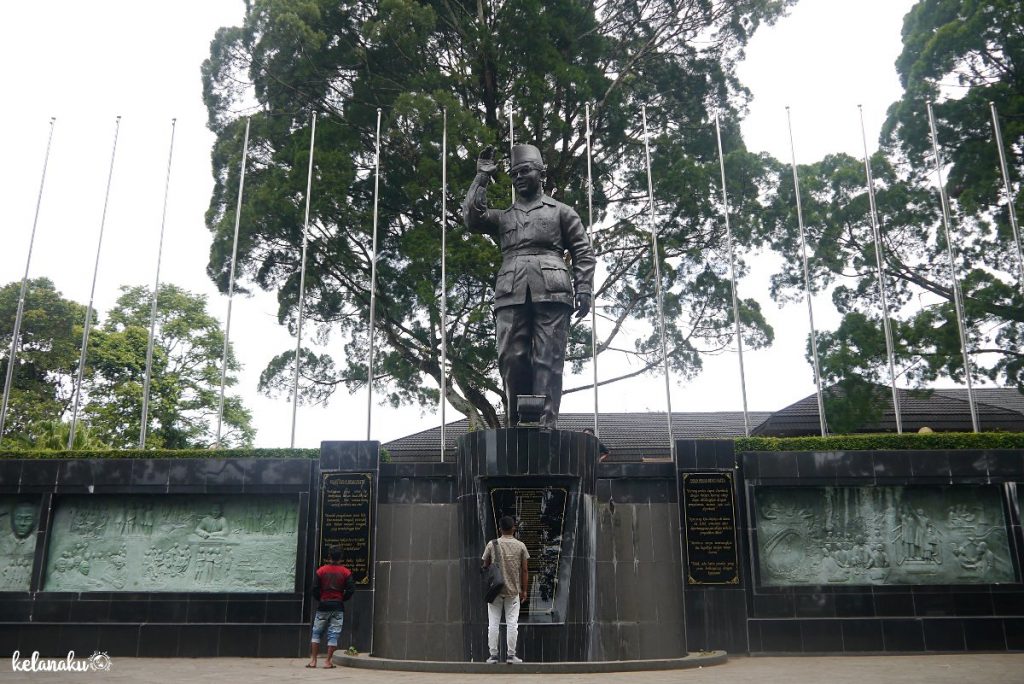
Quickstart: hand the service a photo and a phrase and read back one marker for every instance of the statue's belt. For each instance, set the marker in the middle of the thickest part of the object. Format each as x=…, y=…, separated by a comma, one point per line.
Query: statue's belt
x=532, y=251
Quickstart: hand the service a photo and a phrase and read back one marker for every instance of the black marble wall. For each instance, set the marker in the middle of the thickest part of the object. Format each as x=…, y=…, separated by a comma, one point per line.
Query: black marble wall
x=638, y=579
x=627, y=597
x=166, y=623
x=418, y=606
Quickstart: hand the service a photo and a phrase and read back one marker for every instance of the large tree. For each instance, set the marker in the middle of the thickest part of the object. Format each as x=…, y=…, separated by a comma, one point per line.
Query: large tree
x=47, y=358
x=414, y=59
x=186, y=371
x=962, y=55
x=185, y=386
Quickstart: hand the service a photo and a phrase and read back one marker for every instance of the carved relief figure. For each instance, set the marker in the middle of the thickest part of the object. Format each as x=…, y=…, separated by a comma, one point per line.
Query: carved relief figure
x=17, y=547
x=214, y=525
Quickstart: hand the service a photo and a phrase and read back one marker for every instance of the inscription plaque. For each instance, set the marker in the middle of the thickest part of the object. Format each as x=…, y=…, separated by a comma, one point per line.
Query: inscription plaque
x=173, y=542
x=346, y=520
x=710, y=529
x=539, y=513
x=954, y=534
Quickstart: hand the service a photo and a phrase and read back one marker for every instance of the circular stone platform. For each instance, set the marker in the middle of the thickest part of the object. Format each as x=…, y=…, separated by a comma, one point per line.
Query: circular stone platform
x=692, y=660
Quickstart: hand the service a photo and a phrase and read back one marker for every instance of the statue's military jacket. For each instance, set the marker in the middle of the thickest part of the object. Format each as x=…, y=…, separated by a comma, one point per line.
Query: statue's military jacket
x=533, y=239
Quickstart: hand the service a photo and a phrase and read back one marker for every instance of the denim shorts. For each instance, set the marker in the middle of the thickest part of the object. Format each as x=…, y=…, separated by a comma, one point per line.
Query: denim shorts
x=333, y=620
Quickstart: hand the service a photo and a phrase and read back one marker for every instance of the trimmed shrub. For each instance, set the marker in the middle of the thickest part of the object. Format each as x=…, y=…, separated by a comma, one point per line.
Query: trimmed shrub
x=160, y=453
x=888, y=442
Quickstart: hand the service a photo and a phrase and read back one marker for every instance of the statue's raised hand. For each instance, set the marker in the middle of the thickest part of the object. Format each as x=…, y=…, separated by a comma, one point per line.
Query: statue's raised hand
x=485, y=162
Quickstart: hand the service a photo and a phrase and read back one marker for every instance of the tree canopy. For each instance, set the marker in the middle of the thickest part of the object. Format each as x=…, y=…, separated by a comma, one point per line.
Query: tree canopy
x=961, y=55
x=51, y=333
x=475, y=60
x=185, y=383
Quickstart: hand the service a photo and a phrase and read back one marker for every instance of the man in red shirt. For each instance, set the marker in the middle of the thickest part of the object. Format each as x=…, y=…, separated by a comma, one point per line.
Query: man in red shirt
x=332, y=586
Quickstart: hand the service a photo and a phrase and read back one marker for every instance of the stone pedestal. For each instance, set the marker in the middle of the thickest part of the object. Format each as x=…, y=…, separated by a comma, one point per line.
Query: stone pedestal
x=546, y=480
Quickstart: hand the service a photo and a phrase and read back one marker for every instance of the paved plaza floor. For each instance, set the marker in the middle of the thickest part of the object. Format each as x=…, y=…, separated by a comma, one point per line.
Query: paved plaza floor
x=929, y=669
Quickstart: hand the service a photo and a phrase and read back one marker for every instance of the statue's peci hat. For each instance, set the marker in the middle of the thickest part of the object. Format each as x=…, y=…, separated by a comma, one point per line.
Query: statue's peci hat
x=523, y=154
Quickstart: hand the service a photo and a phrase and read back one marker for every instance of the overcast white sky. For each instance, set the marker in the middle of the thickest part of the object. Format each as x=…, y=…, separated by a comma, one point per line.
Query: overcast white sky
x=85, y=63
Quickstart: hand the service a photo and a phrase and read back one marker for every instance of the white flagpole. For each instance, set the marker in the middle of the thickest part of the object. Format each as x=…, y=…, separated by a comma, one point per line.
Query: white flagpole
x=657, y=282
x=807, y=281
x=231, y=283
x=1009, y=191
x=15, y=336
x=593, y=303
x=880, y=272
x=153, y=306
x=373, y=285
x=302, y=281
x=92, y=293
x=511, y=141
x=444, y=274
x=957, y=301
x=732, y=277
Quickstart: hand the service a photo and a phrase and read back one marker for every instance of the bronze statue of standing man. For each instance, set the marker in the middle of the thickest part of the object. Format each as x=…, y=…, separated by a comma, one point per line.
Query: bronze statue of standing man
x=534, y=294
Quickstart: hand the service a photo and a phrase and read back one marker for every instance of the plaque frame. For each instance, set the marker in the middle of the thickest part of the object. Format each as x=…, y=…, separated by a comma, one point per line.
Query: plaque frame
x=762, y=586
x=558, y=559
x=370, y=477
x=728, y=476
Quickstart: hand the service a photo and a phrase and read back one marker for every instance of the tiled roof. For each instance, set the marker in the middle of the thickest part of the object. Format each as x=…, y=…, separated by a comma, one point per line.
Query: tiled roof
x=629, y=436
x=634, y=436
x=1003, y=397
x=941, y=410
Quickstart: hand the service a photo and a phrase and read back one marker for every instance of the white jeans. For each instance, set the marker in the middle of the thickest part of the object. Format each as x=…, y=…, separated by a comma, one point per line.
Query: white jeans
x=511, y=606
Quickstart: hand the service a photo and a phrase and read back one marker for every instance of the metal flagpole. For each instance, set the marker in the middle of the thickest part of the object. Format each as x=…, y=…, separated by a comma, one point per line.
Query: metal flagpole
x=153, y=306
x=302, y=281
x=444, y=274
x=92, y=293
x=231, y=283
x=373, y=284
x=1009, y=192
x=807, y=280
x=732, y=277
x=957, y=296
x=657, y=282
x=12, y=357
x=593, y=303
x=511, y=142
x=880, y=272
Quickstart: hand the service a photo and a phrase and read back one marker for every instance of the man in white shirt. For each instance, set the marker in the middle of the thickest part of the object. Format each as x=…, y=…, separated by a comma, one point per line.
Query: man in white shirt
x=513, y=556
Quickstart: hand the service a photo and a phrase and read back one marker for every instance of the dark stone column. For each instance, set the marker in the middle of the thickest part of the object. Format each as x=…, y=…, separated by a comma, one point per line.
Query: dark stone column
x=362, y=460
x=532, y=460
x=716, y=609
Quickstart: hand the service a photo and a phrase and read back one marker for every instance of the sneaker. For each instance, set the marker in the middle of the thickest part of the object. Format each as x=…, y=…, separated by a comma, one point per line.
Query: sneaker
x=514, y=660
x=492, y=660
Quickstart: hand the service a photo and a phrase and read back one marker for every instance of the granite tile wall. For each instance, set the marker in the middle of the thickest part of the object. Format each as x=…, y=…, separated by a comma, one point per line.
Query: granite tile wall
x=638, y=584
x=418, y=610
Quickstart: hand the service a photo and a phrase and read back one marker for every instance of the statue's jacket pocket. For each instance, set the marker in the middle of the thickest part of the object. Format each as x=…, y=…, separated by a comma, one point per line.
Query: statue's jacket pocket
x=556, y=279
x=504, y=283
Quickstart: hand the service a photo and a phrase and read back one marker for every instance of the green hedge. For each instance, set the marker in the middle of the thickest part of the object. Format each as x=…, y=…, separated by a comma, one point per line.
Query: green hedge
x=890, y=442
x=160, y=453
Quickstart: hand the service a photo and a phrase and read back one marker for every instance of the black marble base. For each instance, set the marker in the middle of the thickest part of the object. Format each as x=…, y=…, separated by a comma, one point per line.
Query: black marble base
x=516, y=471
